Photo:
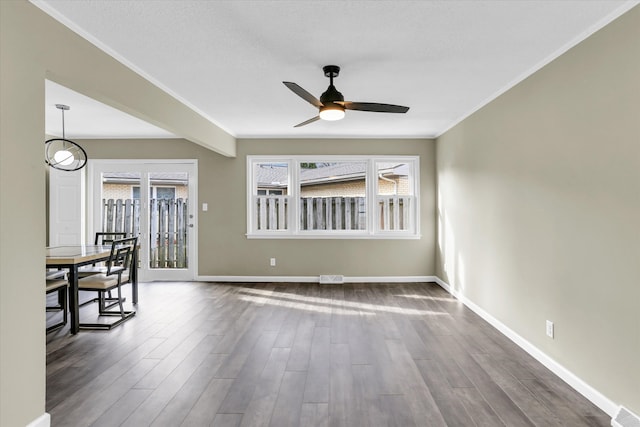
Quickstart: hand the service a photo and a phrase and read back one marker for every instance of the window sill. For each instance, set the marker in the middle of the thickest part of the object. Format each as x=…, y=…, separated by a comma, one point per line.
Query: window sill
x=315, y=236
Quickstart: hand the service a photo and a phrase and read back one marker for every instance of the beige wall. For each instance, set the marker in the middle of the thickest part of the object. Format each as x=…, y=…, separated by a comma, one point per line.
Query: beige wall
x=34, y=47
x=223, y=246
x=22, y=231
x=539, y=209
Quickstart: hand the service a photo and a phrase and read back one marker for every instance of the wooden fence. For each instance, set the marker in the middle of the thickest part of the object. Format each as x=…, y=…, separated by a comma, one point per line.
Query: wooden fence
x=168, y=222
x=333, y=213
x=394, y=212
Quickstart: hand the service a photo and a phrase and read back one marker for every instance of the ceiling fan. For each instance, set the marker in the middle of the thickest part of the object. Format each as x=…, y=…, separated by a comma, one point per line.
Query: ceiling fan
x=332, y=104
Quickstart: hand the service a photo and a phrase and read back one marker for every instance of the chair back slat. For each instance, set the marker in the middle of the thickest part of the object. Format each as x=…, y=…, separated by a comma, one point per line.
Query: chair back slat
x=121, y=256
x=106, y=238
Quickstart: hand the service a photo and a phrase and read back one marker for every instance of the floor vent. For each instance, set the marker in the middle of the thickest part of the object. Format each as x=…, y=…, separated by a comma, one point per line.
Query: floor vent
x=331, y=279
x=625, y=418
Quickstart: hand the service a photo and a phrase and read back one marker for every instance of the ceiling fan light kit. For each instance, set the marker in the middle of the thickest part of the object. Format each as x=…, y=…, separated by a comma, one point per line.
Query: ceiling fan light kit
x=62, y=153
x=332, y=105
x=332, y=112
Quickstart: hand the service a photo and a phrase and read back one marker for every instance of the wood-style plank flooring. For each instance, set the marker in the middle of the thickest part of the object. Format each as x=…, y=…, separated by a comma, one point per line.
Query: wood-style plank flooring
x=218, y=354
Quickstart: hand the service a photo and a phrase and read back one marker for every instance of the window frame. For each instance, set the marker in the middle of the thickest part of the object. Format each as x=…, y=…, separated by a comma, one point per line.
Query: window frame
x=372, y=229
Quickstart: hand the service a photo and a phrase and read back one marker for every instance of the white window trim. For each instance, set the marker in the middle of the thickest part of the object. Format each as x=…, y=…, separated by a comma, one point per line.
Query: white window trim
x=372, y=230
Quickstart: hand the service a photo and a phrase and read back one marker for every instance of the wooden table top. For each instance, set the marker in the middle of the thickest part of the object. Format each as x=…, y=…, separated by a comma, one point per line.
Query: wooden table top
x=74, y=254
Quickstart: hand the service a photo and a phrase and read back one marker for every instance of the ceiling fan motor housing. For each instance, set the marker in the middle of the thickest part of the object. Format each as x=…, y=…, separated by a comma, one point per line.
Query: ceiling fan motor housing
x=331, y=95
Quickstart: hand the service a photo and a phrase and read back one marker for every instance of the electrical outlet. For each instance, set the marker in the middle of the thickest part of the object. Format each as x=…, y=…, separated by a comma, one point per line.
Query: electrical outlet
x=272, y=262
x=549, y=328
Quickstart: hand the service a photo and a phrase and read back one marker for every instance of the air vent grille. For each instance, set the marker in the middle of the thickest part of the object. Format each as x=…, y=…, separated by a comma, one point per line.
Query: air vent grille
x=625, y=418
x=331, y=278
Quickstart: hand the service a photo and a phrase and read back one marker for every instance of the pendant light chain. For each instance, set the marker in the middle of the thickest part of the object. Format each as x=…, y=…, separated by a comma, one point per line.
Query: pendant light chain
x=63, y=137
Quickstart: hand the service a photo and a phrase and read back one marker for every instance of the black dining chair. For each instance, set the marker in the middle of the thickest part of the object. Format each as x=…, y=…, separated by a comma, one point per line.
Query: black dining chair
x=58, y=284
x=101, y=238
x=118, y=271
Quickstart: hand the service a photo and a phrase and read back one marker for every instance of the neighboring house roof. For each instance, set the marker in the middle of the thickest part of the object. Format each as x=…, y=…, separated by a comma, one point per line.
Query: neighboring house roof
x=347, y=171
x=269, y=175
x=173, y=178
x=272, y=176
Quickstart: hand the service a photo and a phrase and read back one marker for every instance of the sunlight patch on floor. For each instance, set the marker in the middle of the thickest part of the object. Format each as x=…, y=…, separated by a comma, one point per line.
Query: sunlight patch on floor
x=304, y=306
x=425, y=297
x=264, y=296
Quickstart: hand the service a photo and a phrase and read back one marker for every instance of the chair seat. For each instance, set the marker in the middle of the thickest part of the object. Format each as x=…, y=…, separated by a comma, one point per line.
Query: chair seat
x=53, y=284
x=101, y=281
x=98, y=281
x=90, y=270
x=101, y=270
x=93, y=269
x=55, y=274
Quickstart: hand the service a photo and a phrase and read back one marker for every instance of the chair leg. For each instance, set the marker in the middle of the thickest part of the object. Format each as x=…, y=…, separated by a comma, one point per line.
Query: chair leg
x=107, y=298
x=120, y=301
x=103, y=311
x=62, y=300
x=62, y=306
x=101, y=303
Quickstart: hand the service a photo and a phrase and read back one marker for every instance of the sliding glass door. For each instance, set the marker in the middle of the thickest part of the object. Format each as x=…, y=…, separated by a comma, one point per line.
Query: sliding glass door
x=154, y=200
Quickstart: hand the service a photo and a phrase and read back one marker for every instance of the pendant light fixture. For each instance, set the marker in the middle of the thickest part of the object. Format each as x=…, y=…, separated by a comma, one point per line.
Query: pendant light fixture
x=64, y=154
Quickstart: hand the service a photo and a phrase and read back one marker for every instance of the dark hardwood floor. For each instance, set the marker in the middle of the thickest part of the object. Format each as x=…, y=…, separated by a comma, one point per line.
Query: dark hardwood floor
x=217, y=354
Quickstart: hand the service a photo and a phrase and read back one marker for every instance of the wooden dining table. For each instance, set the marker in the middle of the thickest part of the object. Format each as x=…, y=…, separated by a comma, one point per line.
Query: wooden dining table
x=72, y=257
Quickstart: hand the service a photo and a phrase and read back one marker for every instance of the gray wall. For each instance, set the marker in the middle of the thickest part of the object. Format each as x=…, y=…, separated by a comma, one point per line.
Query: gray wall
x=225, y=250
x=539, y=209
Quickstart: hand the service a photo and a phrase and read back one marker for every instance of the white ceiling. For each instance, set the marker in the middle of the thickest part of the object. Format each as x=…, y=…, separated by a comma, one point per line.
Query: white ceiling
x=227, y=59
x=88, y=118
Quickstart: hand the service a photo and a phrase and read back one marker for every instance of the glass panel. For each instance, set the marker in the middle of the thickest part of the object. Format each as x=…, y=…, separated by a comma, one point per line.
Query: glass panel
x=120, y=206
x=270, y=195
x=168, y=220
x=165, y=192
x=394, y=198
x=333, y=196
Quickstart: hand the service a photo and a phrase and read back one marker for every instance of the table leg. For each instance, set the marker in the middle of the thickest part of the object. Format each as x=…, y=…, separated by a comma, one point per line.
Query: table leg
x=74, y=308
x=134, y=277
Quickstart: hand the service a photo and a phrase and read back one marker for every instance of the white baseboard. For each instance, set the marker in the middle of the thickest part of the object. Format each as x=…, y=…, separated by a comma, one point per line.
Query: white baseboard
x=566, y=375
x=43, y=420
x=258, y=279
x=316, y=279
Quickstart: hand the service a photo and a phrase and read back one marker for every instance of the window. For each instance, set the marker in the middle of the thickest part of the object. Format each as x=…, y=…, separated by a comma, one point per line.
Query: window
x=332, y=197
x=269, y=191
x=165, y=192
x=155, y=192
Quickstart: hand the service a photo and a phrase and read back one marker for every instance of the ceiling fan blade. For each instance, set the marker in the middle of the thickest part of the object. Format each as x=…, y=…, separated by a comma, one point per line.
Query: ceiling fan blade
x=374, y=106
x=306, y=122
x=303, y=94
